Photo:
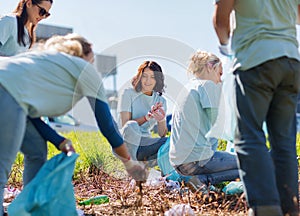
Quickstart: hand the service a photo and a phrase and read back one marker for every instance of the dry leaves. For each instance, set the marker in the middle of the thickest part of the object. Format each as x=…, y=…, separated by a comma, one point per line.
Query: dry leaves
x=128, y=199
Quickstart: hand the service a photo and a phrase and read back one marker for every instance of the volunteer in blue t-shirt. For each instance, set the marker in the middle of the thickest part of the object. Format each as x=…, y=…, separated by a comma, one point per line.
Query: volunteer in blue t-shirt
x=191, y=152
x=50, y=83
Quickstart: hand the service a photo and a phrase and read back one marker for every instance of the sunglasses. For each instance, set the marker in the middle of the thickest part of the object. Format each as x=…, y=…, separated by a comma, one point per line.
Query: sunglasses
x=43, y=12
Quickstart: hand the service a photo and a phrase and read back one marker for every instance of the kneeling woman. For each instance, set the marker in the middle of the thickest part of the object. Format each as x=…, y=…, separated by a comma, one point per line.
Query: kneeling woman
x=140, y=108
x=191, y=152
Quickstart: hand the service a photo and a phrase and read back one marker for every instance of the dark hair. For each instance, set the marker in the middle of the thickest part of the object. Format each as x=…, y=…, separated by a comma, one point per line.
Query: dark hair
x=22, y=18
x=158, y=75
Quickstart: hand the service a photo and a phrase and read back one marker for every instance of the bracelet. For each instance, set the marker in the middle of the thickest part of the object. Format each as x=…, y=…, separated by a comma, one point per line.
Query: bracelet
x=146, y=117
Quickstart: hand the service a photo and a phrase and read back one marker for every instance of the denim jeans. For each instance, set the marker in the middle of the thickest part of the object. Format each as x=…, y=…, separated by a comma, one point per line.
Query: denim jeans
x=149, y=147
x=12, y=131
x=222, y=166
x=34, y=148
x=141, y=148
x=268, y=93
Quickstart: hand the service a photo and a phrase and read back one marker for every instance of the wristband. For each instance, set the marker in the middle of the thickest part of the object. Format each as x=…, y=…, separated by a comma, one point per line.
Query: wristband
x=146, y=117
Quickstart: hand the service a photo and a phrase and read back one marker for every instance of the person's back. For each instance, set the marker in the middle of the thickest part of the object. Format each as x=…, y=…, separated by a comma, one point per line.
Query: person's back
x=267, y=83
x=265, y=30
x=61, y=70
x=191, y=122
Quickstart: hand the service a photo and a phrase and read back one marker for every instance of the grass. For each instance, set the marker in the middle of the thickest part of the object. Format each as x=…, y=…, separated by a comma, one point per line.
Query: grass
x=94, y=152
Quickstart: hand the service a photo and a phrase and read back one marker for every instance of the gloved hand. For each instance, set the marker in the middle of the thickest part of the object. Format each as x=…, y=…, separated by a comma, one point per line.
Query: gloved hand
x=155, y=107
x=159, y=114
x=67, y=147
x=137, y=170
x=225, y=49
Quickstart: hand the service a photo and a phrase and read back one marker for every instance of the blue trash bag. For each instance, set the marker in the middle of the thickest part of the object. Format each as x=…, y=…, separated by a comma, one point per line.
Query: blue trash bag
x=234, y=187
x=51, y=192
x=165, y=166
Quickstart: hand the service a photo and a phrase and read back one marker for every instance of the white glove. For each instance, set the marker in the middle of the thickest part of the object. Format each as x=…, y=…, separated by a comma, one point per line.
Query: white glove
x=226, y=50
x=155, y=107
x=67, y=147
x=159, y=114
x=136, y=169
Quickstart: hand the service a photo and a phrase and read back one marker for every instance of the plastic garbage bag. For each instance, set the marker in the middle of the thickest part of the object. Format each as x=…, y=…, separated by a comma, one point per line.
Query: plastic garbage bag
x=51, y=192
x=180, y=209
x=225, y=124
x=165, y=166
x=234, y=187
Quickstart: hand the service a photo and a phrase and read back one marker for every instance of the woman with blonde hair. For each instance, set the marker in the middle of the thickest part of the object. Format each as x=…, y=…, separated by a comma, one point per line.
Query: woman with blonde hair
x=196, y=109
x=50, y=83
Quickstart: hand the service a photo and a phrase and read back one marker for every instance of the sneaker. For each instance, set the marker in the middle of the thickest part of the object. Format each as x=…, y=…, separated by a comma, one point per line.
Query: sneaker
x=195, y=185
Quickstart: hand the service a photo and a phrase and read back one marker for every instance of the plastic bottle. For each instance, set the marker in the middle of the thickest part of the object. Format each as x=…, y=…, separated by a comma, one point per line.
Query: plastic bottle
x=97, y=200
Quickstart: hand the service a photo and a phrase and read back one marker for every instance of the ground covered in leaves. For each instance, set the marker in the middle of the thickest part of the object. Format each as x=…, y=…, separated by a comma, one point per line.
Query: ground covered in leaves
x=126, y=199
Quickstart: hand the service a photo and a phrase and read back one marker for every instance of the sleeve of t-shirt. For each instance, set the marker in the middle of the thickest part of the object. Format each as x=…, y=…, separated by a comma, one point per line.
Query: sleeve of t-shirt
x=90, y=84
x=6, y=26
x=47, y=132
x=210, y=94
x=124, y=104
x=106, y=123
x=212, y=114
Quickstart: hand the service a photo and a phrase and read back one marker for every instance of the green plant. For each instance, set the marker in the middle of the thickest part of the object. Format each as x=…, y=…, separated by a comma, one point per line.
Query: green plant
x=94, y=152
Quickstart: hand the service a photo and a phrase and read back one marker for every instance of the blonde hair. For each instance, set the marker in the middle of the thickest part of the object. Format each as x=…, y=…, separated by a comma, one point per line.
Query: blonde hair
x=202, y=61
x=72, y=44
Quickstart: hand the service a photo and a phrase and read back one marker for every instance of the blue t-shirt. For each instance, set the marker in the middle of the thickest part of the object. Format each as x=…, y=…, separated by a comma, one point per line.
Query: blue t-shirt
x=9, y=45
x=49, y=83
x=265, y=30
x=194, y=114
x=138, y=104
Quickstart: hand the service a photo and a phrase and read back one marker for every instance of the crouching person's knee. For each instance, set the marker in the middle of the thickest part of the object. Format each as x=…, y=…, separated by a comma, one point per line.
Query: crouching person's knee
x=132, y=136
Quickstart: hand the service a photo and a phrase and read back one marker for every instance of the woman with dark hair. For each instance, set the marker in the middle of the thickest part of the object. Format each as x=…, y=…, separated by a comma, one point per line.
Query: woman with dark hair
x=141, y=107
x=18, y=29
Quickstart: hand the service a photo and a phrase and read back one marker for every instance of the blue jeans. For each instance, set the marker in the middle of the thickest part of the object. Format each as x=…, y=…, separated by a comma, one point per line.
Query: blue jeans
x=34, y=148
x=149, y=147
x=268, y=93
x=13, y=120
x=141, y=148
x=222, y=166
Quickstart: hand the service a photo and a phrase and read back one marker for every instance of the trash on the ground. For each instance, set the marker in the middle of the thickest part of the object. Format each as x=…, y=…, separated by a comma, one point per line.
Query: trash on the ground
x=234, y=187
x=11, y=192
x=154, y=179
x=172, y=185
x=97, y=200
x=80, y=212
x=180, y=209
x=158, y=182
x=132, y=184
